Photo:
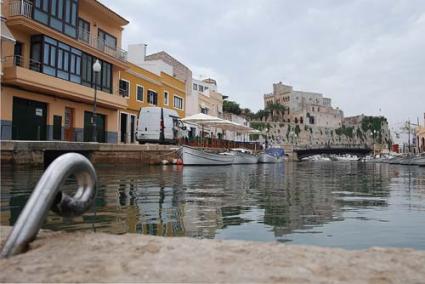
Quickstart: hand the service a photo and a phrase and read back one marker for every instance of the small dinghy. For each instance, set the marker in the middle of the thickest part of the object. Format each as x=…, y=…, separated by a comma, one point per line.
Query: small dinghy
x=198, y=157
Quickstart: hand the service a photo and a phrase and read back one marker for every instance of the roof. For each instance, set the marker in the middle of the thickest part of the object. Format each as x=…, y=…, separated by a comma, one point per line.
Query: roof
x=122, y=21
x=156, y=55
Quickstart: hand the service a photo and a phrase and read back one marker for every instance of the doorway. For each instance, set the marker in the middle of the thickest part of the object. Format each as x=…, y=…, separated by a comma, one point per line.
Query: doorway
x=100, y=127
x=69, y=124
x=132, y=128
x=29, y=120
x=123, y=138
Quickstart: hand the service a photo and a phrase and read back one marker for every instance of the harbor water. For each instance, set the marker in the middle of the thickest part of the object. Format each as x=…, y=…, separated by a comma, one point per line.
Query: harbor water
x=351, y=205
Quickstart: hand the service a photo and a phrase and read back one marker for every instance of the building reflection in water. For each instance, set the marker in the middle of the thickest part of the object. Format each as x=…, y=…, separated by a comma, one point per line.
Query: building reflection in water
x=200, y=201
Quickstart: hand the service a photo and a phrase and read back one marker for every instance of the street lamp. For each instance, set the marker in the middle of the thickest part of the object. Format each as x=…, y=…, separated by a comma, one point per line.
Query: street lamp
x=96, y=69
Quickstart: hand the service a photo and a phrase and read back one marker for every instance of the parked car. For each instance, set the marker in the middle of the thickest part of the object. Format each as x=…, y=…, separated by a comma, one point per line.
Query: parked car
x=159, y=125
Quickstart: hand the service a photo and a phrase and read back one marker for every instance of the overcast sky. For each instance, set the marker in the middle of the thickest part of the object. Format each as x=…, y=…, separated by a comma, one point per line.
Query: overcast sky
x=366, y=55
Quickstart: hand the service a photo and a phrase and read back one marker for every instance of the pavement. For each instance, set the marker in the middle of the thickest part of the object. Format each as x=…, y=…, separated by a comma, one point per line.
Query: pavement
x=100, y=257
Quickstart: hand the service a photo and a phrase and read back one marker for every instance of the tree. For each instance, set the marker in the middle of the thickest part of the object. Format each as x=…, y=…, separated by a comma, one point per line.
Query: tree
x=232, y=107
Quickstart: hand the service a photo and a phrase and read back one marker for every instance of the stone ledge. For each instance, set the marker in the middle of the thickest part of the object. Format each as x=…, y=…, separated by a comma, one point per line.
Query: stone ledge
x=90, y=257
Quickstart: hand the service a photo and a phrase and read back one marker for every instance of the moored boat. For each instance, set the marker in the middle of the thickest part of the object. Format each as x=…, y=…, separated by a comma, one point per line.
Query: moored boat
x=193, y=157
x=243, y=156
x=272, y=155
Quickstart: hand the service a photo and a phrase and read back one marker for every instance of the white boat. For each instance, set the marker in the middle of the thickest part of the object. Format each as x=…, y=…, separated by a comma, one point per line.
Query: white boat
x=243, y=156
x=265, y=158
x=192, y=157
x=272, y=155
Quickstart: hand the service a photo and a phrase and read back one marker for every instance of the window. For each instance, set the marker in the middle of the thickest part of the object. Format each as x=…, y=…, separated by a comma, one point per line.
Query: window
x=178, y=102
x=83, y=30
x=60, y=15
x=106, y=40
x=139, y=93
x=60, y=60
x=152, y=97
x=204, y=110
x=195, y=87
x=124, y=88
x=166, y=98
x=201, y=88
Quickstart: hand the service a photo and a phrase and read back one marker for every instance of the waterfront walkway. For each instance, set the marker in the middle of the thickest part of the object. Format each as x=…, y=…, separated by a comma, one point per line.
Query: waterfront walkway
x=89, y=257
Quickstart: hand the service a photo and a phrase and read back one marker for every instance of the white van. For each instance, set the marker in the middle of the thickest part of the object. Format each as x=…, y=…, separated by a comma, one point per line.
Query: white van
x=149, y=126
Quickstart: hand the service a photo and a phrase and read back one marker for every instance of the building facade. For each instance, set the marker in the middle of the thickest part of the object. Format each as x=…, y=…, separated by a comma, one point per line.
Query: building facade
x=305, y=107
x=48, y=82
x=180, y=72
x=143, y=88
x=210, y=101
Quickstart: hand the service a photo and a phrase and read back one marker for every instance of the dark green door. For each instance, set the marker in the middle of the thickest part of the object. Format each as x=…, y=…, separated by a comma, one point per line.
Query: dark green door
x=88, y=127
x=29, y=120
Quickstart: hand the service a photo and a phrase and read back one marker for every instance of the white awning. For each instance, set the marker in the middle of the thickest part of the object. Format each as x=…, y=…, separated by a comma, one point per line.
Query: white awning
x=212, y=121
x=5, y=32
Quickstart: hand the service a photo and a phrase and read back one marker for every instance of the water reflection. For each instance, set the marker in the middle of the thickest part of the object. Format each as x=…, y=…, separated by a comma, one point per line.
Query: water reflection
x=300, y=202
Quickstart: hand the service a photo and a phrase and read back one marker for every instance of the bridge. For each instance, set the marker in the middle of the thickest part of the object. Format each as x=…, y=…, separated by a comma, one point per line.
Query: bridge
x=337, y=149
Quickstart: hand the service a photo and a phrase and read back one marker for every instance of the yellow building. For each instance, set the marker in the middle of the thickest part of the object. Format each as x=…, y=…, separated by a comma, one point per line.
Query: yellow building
x=48, y=82
x=143, y=88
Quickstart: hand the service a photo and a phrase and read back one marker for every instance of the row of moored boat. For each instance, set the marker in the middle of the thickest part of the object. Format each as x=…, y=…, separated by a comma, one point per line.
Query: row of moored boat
x=197, y=156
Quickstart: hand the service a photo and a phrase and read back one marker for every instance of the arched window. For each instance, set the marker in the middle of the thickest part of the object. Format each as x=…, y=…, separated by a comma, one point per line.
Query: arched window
x=301, y=120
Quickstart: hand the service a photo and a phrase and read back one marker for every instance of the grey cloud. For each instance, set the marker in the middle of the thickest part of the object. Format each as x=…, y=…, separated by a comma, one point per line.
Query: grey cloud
x=363, y=54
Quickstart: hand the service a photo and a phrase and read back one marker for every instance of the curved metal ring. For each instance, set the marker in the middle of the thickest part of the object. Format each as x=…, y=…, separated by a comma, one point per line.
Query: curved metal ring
x=47, y=195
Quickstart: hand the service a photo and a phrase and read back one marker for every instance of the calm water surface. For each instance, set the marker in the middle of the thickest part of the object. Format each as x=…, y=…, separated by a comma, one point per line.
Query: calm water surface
x=337, y=204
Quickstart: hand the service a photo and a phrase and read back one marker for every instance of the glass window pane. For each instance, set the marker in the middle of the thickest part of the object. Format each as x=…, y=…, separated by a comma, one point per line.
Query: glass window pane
x=54, y=8
x=77, y=65
x=66, y=61
x=60, y=9
x=74, y=14
x=46, y=55
x=68, y=11
x=72, y=66
x=52, y=56
x=60, y=58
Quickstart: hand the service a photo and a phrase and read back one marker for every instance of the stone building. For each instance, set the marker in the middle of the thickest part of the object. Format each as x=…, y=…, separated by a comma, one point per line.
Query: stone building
x=305, y=107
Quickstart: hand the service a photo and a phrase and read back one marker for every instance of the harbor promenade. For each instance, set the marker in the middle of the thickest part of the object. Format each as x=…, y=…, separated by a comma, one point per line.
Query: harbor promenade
x=99, y=257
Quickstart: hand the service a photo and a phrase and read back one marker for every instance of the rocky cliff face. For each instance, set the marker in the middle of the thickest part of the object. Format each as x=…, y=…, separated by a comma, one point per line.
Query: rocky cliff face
x=354, y=130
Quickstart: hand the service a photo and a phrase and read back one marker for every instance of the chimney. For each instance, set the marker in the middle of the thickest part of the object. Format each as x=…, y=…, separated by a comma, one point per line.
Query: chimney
x=137, y=53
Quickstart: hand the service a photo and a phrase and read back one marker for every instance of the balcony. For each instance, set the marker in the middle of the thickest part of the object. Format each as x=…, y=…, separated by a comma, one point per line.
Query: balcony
x=27, y=75
x=24, y=9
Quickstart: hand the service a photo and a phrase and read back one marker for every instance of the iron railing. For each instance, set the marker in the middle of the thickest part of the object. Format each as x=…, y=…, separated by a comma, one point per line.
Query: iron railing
x=18, y=60
x=24, y=8
x=86, y=37
x=20, y=8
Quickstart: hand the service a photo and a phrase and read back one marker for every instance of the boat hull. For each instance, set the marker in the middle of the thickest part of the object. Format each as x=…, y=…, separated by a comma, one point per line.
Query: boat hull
x=265, y=158
x=244, y=158
x=197, y=157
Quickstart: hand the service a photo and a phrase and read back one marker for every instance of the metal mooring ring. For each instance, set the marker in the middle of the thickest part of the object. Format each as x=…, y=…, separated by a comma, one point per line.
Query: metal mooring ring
x=47, y=195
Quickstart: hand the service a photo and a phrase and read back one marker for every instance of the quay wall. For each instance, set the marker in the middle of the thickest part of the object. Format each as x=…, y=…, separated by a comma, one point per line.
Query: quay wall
x=99, y=257
x=42, y=152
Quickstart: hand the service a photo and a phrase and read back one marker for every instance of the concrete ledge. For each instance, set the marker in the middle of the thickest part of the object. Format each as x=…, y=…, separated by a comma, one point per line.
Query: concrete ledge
x=90, y=257
x=33, y=152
